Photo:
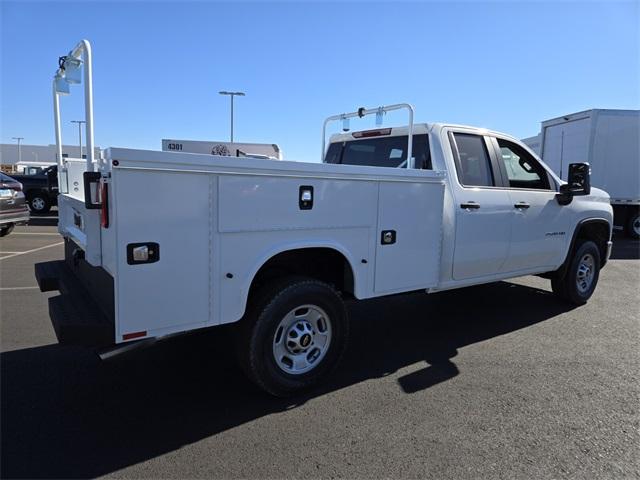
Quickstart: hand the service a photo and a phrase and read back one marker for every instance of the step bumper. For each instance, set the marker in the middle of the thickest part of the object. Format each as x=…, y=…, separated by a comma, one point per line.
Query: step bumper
x=76, y=317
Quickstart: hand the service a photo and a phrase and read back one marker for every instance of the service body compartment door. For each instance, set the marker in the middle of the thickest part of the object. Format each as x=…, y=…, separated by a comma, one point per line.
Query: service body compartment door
x=409, y=236
x=172, y=291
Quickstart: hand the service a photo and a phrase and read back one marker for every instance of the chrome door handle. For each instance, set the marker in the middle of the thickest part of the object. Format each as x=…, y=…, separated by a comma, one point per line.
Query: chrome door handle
x=470, y=205
x=523, y=205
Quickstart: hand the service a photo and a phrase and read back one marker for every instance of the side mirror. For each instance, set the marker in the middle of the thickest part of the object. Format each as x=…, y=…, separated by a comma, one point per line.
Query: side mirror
x=579, y=178
x=578, y=183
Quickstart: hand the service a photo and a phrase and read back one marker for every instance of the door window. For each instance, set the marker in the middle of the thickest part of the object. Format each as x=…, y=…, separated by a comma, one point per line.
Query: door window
x=523, y=171
x=472, y=161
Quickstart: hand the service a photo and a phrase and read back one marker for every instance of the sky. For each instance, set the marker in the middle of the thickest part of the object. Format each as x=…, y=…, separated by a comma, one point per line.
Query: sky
x=158, y=66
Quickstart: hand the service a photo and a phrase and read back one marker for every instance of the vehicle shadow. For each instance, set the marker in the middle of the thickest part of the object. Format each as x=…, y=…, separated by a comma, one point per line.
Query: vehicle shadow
x=66, y=414
x=625, y=248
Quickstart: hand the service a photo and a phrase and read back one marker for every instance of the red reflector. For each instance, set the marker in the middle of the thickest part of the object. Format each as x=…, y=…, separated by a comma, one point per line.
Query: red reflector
x=104, y=209
x=372, y=133
x=129, y=336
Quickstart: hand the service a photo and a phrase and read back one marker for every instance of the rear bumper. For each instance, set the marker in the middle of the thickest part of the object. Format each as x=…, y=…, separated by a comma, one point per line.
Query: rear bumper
x=79, y=316
x=17, y=218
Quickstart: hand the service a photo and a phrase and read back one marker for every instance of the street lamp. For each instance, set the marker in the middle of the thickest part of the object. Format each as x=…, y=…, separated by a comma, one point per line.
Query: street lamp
x=19, y=139
x=232, y=94
x=79, y=122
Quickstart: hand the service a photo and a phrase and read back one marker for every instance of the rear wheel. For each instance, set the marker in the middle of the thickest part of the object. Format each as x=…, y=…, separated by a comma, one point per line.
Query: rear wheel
x=293, y=335
x=6, y=229
x=580, y=280
x=39, y=203
x=633, y=225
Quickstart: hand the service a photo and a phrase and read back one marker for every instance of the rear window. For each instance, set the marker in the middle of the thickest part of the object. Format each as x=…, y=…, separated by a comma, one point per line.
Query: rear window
x=6, y=178
x=381, y=152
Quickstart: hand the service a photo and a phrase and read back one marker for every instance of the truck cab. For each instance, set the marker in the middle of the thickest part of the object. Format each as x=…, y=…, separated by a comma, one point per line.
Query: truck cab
x=502, y=208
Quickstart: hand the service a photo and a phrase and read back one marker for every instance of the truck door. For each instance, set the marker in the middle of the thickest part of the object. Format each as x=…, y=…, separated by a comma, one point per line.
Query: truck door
x=538, y=231
x=482, y=208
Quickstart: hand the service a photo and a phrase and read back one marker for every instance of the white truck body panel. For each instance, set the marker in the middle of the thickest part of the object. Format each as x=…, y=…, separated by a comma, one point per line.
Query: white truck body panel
x=214, y=216
x=608, y=139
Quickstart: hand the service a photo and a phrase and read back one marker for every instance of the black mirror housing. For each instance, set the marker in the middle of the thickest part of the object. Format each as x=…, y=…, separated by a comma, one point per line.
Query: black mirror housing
x=579, y=178
x=578, y=183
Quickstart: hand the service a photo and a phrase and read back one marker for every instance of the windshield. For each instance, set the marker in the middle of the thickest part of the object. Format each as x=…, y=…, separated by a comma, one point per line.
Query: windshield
x=380, y=152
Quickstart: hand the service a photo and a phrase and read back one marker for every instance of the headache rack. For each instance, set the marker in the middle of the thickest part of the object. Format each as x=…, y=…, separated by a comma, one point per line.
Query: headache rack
x=379, y=113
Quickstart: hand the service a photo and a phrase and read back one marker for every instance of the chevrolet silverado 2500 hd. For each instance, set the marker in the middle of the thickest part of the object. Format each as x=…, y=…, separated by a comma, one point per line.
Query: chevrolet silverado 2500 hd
x=278, y=246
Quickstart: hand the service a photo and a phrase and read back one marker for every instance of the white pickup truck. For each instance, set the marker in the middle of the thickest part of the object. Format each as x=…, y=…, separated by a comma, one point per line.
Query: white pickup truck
x=161, y=243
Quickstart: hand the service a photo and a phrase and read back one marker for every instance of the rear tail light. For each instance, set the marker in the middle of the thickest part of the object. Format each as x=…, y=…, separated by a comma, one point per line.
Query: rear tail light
x=372, y=133
x=104, y=209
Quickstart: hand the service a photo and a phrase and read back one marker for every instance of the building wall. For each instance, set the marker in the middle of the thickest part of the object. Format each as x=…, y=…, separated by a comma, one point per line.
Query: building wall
x=37, y=153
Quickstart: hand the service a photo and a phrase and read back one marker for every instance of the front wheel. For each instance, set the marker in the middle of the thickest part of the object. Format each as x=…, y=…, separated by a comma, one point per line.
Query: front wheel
x=293, y=335
x=580, y=280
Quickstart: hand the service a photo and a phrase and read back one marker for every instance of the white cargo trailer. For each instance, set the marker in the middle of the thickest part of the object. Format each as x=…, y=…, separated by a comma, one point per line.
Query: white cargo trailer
x=609, y=140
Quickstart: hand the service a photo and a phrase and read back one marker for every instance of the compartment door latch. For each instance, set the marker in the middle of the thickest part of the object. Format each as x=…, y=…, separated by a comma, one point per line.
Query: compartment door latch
x=138, y=253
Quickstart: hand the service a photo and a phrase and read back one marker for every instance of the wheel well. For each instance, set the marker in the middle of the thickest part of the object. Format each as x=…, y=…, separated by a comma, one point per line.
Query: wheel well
x=598, y=232
x=33, y=191
x=325, y=264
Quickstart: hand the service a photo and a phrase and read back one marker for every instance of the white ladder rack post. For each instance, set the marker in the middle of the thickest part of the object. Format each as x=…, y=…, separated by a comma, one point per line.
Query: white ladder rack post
x=80, y=53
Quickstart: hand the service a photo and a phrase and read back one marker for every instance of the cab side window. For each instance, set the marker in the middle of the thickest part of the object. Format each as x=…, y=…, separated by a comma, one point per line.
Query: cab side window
x=473, y=164
x=523, y=170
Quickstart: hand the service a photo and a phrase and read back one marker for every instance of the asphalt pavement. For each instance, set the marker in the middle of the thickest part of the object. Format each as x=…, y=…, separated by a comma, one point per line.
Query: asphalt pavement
x=497, y=381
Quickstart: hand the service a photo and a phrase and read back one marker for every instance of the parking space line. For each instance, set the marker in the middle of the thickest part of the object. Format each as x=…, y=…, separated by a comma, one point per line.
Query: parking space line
x=5, y=253
x=31, y=251
x=2, y=289
x=34, y=233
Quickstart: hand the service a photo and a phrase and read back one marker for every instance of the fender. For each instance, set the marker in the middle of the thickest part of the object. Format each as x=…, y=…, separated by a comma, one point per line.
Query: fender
x=269, y=254
x=592, y=220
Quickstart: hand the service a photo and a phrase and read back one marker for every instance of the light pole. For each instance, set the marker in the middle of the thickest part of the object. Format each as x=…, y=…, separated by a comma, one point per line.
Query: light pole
x=19, y=139
x=79, y=122
x=232, y=94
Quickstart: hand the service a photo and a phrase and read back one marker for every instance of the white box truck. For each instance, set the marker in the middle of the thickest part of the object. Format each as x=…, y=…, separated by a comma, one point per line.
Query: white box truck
x=609, y=140
x=278, y=247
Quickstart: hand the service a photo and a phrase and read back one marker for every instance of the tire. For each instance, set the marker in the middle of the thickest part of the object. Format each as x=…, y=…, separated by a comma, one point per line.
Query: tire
x=39, y=203
x=633, y=225
x=293, y=335
x=6, y=229
x=580, y=279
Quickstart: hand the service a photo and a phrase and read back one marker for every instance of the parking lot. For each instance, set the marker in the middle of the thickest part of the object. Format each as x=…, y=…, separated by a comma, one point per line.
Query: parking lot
x=496, y=381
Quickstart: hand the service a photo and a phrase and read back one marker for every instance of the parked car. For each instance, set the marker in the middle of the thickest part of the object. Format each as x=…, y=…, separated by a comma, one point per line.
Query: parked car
x=13, y=205
x=40, y=189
